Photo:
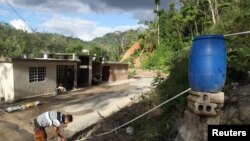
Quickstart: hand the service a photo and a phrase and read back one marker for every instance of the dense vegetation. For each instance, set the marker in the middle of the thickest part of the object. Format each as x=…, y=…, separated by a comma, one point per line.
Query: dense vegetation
x=178, y=26
x=115, y=44
x=16, y=43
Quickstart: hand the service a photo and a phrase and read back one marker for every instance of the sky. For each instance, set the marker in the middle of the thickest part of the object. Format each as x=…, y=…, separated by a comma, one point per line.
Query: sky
x=84, y=19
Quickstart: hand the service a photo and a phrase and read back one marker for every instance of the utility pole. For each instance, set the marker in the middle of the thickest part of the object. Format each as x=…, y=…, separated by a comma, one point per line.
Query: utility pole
x=157, y=2
x=122, y=44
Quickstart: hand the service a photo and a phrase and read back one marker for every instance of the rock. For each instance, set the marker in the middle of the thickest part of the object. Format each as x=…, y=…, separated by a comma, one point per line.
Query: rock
x=195, y=127
x=130, y=130
x=244, y=114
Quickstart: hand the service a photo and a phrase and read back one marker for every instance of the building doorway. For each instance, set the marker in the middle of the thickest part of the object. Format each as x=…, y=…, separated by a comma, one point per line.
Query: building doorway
x=65, y=75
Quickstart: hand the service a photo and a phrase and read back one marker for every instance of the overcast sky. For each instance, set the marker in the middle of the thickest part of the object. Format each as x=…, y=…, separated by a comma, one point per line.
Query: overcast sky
x=84, y=19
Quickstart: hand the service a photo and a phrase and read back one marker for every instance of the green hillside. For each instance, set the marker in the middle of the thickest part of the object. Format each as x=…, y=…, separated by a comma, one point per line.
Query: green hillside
x=16, y=43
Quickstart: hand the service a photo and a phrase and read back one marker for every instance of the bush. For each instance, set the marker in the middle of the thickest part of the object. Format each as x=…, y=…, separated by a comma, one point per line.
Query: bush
x=162, y=126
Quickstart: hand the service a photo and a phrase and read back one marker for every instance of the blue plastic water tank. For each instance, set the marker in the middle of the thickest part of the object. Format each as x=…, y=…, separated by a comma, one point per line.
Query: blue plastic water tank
x=207, y=63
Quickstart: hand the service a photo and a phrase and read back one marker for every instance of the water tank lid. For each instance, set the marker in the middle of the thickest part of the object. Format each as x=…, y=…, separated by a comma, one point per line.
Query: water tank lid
x=209, y=36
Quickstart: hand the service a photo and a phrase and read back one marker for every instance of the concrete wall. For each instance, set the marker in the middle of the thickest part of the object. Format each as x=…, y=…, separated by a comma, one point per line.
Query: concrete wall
x=6, y=82
x=118, y=71
x=23, y=88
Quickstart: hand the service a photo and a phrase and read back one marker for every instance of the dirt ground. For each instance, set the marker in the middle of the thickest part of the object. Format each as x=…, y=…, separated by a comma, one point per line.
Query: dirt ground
x=83, y=104
x=235, y=111
x=108, y=123
x=124, y=115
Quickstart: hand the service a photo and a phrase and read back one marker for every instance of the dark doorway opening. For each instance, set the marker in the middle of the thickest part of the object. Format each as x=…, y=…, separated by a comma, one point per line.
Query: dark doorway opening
x=65, y=76
x=83, y=71
x=105, y=73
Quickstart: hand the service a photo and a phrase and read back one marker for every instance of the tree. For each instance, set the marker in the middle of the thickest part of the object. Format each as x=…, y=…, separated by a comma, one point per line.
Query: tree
x=213, y=4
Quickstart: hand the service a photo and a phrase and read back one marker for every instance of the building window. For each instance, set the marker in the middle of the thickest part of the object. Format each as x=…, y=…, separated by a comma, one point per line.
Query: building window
x=37, y=74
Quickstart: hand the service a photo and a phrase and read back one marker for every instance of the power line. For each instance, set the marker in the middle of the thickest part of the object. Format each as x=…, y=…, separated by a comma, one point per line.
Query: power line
x=13, y=9
x=238, y=33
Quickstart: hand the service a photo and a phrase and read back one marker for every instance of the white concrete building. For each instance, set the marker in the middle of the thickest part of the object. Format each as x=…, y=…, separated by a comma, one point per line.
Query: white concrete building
x=22, y=78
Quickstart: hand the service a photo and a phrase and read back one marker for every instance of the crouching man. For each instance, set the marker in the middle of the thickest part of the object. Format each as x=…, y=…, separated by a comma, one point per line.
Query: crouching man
x=48, y=119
